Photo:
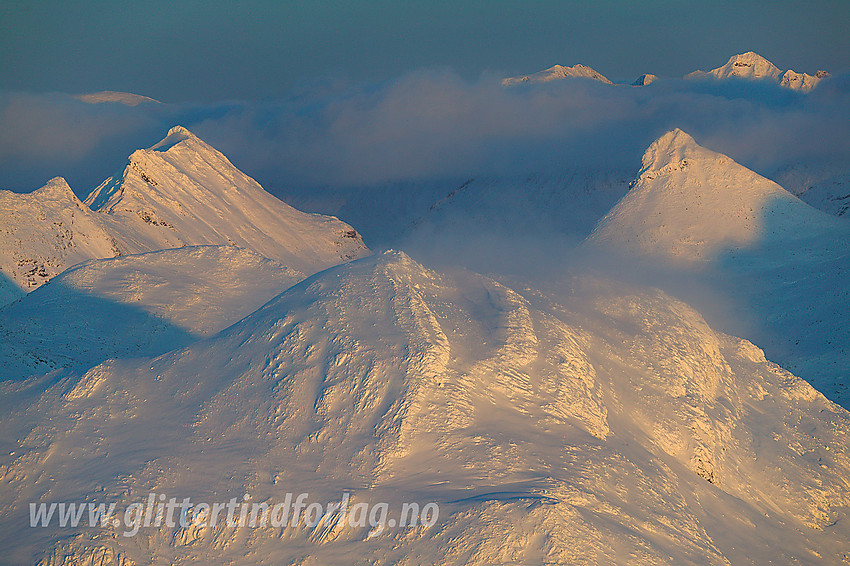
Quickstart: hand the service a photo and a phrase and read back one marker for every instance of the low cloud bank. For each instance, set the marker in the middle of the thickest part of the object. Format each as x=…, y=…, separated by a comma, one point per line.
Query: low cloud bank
x=430, y=124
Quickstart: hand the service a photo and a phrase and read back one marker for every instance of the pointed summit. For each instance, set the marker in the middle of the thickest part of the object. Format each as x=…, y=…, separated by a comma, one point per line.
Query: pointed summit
x=175, y=135
x=692, y=204
x=183, y=192
x=672, y=147
x=57, y=188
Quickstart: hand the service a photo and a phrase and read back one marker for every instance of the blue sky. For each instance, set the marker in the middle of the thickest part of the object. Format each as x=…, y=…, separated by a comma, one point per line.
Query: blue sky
x=249, y=50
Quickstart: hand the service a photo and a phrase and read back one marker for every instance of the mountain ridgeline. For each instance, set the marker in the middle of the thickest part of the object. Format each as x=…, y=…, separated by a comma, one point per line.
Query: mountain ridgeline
x=180, y=192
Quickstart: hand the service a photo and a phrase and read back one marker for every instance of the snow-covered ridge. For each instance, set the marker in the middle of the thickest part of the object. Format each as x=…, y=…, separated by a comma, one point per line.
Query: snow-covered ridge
x=753, y=66
x=180, y=192
x=135, y=305
x=747, y=65
x=556, y=73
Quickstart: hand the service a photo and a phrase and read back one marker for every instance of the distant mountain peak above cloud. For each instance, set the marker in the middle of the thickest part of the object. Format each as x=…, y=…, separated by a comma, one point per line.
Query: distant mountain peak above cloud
x=747, y=65
x=753, y=66
x=556, y=73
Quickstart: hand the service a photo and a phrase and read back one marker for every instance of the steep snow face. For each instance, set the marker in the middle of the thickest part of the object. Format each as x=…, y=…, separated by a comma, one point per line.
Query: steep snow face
x=556, y=73
x=691, y=204
x=44, y=232
x=125, y=98
x=135, y=305
x=753, y=66
x=607, y=425
x=644, y=80
x=182, y=192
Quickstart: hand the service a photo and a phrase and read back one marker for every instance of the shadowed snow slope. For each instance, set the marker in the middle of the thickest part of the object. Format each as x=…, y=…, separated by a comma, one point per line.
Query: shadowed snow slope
x=604, y=426
x=645, y=80
x=135, y=305
x=182, y=192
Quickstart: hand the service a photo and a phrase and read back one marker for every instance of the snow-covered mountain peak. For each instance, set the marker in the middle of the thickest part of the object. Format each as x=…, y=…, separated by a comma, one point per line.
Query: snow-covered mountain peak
x=56, y=189
x=46, y=231
x=748, y=65
x=645, y=79
x=802, y=81
x=753, y=66
x=557, y=72
x=175, y=135
x=672, y=147
x=182, y=191
x=692, y=204
x=564, y=421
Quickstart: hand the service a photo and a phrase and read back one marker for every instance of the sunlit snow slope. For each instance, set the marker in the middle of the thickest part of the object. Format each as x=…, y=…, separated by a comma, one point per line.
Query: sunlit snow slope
x=602, y=425
x=182, y=192
x=44, y=232
x=692, y=204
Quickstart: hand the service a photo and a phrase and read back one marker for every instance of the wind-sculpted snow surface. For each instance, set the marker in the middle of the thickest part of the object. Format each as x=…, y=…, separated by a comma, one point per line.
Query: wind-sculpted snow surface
x=600, y=425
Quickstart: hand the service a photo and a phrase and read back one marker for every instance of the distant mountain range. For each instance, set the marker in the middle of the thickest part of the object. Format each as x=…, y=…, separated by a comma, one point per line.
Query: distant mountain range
x=745, y=66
